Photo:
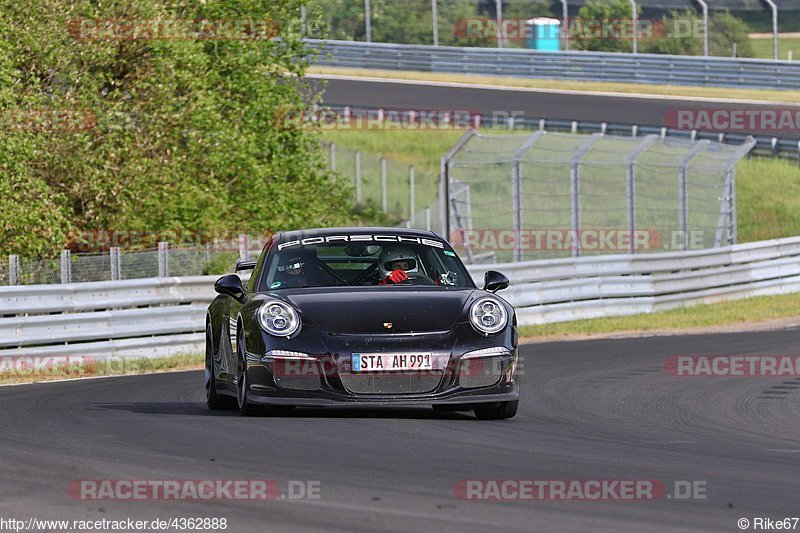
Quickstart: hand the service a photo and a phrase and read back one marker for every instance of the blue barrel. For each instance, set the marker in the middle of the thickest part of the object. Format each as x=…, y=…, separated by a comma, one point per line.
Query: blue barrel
x=544, y=34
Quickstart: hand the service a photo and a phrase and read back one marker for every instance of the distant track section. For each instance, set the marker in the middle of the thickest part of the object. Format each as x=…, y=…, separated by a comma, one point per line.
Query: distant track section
x=595, y=107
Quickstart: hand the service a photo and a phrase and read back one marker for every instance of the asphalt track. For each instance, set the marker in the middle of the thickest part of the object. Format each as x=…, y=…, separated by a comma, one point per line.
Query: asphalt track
x=626, y=109
x=600, y=409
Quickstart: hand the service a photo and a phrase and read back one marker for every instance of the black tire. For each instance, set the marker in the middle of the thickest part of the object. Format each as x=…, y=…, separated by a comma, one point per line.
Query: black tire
x=245, y=408
x=214, y=400
x=496, y=410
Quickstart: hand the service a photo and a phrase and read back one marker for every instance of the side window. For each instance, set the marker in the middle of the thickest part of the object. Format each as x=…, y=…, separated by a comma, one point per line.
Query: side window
x=252, y=283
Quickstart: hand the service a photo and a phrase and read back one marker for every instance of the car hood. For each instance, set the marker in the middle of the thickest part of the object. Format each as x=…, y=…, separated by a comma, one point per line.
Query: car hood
x=367, y=310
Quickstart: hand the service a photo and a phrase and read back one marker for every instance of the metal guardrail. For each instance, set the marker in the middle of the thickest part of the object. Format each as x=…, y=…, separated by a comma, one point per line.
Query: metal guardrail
x=563, y=65
x=152, y=317
x=165, y=316
x=589, y=287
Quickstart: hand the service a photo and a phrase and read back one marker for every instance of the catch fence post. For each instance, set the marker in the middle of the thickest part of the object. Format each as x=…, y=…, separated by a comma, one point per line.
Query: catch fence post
x=66, y=267
x=163, y=259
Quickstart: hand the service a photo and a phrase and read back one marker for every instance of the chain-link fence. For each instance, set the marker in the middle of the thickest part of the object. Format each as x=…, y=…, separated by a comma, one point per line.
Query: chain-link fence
x=120, y=264
x=393, y=187
x=143, y=264
x=514, y=197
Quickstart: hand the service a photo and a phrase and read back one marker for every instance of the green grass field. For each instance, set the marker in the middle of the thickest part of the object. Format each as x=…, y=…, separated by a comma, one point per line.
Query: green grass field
x=762, y=47
x=768, y=199
x=422, y=149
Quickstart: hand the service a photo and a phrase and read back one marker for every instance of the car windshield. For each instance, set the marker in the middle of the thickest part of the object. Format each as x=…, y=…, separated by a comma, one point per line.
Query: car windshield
x=405, y=261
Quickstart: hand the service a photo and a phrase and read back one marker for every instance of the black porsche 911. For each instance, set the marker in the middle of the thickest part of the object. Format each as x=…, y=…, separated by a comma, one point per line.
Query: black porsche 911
x=344, y=316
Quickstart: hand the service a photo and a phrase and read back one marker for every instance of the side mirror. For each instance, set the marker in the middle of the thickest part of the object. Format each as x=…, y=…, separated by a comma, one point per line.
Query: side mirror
x=494, y=281
x=230, y=285
x=242, y=266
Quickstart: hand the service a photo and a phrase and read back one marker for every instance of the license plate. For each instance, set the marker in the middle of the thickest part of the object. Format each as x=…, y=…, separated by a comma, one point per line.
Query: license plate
x=383, y=362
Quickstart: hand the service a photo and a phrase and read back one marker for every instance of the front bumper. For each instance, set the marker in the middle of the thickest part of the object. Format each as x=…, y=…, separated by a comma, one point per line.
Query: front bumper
x=312, y=374
x=415, y=401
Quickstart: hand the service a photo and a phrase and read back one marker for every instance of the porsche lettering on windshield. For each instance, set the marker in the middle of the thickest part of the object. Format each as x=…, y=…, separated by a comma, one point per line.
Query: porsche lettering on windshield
x=313, y=241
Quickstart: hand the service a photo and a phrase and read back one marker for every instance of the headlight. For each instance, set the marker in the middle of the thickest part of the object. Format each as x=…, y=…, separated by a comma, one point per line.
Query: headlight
x=278, y=318
x=488, y=316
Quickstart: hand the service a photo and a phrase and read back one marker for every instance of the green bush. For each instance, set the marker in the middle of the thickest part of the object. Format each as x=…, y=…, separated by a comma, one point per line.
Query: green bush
x=676, y=35
x=608, y=11
x=723, y=30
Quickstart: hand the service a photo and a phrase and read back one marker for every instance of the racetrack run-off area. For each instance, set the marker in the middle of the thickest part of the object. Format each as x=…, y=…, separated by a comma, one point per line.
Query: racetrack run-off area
x=590, y=410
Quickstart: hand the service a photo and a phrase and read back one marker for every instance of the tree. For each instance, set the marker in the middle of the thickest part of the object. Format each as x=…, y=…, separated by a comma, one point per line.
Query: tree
x=724, y=30
x=683, y=35
x=343, y=19
x=185, y=134
x=677, y=34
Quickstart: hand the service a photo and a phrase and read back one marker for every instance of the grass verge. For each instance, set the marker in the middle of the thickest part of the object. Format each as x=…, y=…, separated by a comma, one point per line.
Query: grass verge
x=608, y=87
x=402, y=148
x=748, y=311
x=25, y=369
x=762, y=46
x=767, y=199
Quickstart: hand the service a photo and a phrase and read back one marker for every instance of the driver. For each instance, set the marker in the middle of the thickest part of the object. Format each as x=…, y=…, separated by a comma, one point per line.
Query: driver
x=292, y=272
x=396, y=264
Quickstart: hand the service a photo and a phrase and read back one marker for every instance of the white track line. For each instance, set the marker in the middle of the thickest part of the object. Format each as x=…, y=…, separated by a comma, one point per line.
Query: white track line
x=781, y=451
x=461, y=85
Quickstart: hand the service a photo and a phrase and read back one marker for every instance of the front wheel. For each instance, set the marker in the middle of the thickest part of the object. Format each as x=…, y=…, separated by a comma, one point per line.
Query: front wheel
x=214, y=400
x=496, y=410
x=245, y=408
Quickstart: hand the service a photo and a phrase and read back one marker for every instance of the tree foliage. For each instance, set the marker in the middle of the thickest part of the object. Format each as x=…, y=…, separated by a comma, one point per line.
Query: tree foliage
x=677, y=34
x=682, y=34
x=614, y=19
x=726, y=29
x=181, y=133
x=411, y=21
